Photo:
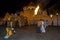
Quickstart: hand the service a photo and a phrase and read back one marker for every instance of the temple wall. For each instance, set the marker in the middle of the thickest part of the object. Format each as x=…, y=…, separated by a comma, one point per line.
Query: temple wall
x=30, y=17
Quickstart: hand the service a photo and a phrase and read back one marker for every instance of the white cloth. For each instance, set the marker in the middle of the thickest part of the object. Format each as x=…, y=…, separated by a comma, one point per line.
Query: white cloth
x=12, y=28
x=42, y=27
x=6, y=37
x=11, y=23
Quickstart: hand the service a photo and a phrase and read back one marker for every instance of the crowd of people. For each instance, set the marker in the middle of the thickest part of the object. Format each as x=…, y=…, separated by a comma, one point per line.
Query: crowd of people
x=12, y=22
x=41, y=26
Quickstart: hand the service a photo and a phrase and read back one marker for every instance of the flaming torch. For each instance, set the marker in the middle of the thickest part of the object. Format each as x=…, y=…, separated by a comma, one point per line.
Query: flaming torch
x=36, y=10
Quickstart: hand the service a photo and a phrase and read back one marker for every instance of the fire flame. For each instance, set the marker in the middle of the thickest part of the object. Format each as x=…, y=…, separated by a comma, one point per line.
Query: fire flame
x=36, y=10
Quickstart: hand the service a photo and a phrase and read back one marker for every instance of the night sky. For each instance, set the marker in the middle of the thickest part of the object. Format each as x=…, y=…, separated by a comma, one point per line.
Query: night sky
x=12, y=6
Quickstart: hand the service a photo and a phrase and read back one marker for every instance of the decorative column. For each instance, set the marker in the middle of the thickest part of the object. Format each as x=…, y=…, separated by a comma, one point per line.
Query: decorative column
x=57, y=18
x=51, y=19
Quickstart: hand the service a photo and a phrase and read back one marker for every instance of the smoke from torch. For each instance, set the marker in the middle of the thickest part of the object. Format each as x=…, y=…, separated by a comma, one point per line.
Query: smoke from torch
x=36, y=10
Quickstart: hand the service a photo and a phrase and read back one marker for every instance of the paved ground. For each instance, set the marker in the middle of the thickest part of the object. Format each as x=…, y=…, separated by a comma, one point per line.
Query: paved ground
x=52, y=33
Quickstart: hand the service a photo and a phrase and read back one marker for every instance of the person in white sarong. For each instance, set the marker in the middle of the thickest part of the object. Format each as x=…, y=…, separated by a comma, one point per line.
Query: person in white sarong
x=42, y=27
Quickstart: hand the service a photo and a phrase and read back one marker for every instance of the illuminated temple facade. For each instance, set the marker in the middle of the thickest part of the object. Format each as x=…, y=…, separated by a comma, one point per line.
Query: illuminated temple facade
x=28, y=12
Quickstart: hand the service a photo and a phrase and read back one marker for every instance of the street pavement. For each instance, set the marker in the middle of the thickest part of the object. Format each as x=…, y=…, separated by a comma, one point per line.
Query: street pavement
x=52, y=33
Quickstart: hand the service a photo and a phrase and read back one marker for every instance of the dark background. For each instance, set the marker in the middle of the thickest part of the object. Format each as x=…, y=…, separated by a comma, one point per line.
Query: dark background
x=12, y=6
